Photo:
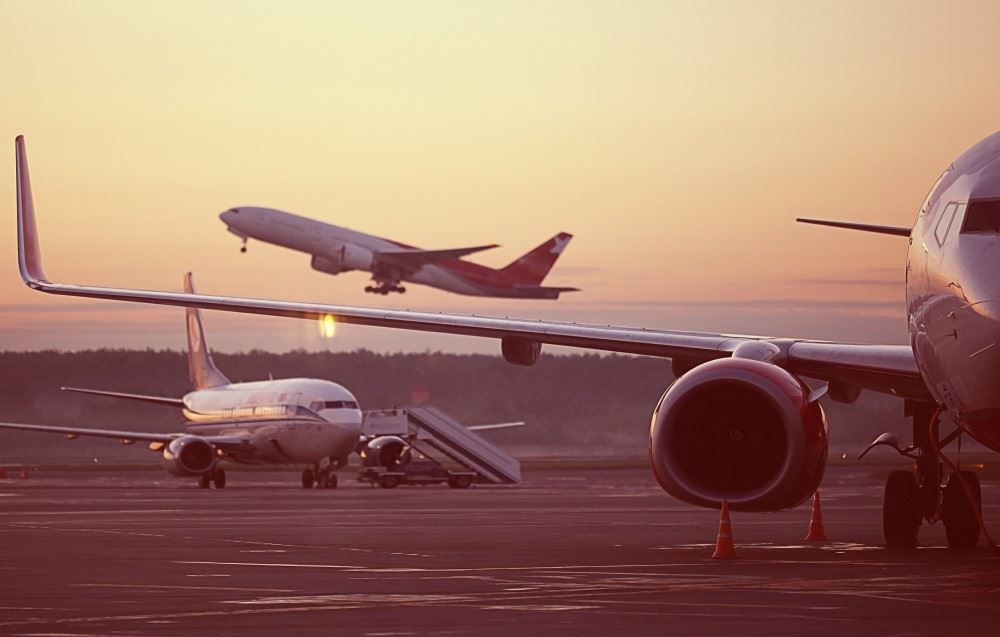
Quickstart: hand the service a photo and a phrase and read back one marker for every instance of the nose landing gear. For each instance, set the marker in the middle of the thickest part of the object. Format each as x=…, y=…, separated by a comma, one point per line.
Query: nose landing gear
x=385, y=288
x=243, y=248
x=914, y=496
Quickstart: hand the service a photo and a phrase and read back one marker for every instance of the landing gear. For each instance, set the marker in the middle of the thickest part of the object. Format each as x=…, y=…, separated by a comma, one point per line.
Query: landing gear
x=243, y=248
x=914, y=496
x=385, y=288
x=961, y=522
x=216, y=477
x=308, y=478
x=901, y=510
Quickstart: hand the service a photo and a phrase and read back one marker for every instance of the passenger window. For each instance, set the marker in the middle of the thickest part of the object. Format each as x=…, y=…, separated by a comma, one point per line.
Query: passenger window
x=944, y=223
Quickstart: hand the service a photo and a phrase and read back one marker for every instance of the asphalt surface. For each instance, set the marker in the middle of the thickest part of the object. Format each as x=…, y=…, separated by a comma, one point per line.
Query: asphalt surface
x=578, y=552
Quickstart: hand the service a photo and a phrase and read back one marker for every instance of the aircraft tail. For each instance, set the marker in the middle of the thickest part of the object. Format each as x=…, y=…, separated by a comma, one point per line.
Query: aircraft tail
x=201, y=368
x=533, y=266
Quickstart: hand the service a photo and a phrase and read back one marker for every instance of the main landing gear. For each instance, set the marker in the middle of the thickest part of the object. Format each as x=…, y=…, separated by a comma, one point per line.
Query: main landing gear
x=914, y=496
x=320, y=475
x=385, y=288
x=216, y=478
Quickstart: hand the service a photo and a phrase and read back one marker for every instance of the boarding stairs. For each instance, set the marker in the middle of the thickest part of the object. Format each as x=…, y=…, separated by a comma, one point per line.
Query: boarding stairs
x=426, y=427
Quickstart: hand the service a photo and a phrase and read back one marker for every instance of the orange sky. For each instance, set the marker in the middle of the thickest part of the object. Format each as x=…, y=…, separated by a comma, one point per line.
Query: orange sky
x=677, y=141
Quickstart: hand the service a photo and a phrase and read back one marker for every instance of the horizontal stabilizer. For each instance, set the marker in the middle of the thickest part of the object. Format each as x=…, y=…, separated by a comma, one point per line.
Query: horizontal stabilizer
x=542, y=291
x=156, y=400
x=899, y=231
x=414, y=259
x=496, y=425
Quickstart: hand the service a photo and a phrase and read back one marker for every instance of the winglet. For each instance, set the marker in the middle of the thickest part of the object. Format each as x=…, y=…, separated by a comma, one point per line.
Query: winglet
x=29, y=257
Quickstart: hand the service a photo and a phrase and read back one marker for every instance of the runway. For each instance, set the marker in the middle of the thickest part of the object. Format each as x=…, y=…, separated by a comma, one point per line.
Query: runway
x=583, y=552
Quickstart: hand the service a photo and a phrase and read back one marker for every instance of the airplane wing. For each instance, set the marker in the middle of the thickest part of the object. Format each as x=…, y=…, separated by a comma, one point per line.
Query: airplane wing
x=156, y=400
x=412, y=260
x=884, y=368
x=234, y=443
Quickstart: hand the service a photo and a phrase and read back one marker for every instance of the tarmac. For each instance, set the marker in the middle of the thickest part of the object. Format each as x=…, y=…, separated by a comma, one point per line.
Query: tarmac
x=578, y=551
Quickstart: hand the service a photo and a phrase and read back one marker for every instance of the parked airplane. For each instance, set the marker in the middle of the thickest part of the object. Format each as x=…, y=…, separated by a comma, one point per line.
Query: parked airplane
x=289, y=421
x=335, y=250
x=739, y=423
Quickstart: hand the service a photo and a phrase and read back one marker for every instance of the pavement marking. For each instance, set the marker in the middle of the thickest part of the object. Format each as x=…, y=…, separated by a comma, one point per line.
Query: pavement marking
x=187, y=588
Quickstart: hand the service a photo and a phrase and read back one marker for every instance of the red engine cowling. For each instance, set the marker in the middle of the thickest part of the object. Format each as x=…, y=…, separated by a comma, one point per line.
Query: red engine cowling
x=739, y=430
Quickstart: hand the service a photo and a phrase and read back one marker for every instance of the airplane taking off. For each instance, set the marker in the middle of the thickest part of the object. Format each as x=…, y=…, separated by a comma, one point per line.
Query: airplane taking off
x=289, y=421
x=335, y=250
x=739, y=424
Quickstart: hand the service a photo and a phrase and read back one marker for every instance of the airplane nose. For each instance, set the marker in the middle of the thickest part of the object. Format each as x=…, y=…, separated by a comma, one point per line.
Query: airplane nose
x=227, y=217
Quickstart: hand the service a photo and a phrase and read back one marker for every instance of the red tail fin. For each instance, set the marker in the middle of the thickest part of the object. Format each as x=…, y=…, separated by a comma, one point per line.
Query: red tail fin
x=532, y=267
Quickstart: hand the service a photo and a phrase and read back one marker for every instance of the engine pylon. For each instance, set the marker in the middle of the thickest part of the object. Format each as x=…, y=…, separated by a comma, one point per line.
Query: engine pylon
x=816, y=531
x=724, y=548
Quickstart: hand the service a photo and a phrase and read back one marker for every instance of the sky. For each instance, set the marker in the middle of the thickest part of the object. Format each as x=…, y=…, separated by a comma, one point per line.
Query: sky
x=677, y=141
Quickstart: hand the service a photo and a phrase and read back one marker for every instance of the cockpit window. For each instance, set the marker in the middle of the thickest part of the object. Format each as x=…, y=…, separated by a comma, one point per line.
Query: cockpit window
x=952, y=213
x=982, y=216
x=320, y=405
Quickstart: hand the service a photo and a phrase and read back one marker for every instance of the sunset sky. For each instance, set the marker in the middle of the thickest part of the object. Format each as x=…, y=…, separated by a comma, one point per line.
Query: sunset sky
x=677, y=140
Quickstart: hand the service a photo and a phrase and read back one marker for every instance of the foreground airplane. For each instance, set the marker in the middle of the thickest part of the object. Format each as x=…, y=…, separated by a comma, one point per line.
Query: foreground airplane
x=739, y=423
x=335, y=250
x=290, y=421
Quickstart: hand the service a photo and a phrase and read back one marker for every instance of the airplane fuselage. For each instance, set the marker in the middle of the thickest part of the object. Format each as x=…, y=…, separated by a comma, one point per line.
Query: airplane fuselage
x=296, y=420
x=953, y=291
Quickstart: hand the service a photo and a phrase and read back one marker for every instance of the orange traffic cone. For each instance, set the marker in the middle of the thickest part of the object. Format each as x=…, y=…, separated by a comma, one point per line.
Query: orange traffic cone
x=816, y=531
x=724, y=549
x=24, y=473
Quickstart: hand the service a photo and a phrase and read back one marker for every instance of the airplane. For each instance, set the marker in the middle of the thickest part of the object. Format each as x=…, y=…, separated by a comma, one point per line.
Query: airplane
x=335, y=249
x=289, y=421
x=740, y=424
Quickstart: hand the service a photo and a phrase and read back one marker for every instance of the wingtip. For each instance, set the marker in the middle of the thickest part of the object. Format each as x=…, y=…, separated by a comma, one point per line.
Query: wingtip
x=28, y=253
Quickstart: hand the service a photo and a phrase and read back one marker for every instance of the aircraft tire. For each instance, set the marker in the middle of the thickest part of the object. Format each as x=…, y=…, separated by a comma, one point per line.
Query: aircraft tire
x=219, y=478
x=205, y=481
x=901, y=511
x=961, y=524
x=308, y=479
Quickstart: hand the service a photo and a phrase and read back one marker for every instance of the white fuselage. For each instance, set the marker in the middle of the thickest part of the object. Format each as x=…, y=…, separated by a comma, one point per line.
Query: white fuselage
x=296, y=420
x=953, y=290
x=344, y=250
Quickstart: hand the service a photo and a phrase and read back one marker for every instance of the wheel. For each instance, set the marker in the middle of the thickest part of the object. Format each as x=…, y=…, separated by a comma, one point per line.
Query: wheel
x=901, y=510
x=961, y=524
x=329, y=480
x=205, y=481
x=219, y=478
x=460, y=482
x=308, y=478
x=388, y=482
x=243, y=250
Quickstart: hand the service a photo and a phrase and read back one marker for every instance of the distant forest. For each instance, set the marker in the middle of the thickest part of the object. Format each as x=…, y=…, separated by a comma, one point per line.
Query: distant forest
x=579, y=404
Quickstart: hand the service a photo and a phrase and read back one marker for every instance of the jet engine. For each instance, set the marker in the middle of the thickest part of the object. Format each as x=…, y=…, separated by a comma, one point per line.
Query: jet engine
x=189, y=456
x=345, y=258
x=391, y=452
x=739, y=430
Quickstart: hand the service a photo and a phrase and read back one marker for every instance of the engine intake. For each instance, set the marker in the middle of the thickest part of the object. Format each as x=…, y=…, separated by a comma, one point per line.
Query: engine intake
x=189, y=456
x=740, y=430
x=391, y=452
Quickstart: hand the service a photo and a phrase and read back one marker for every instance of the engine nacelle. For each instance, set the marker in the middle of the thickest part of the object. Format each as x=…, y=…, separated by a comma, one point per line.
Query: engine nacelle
x=520, y=351
x=739, y=430
x=189, y=456
x=391, y=452
x=345, y=258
